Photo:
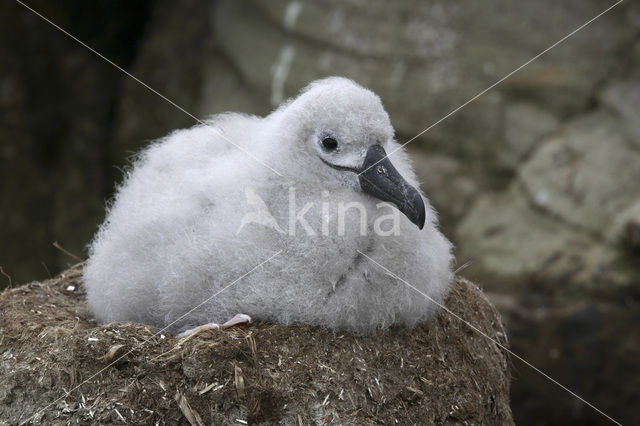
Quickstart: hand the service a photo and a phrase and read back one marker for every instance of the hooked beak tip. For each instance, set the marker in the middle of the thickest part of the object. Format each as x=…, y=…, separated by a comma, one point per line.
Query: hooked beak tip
x=421, y=220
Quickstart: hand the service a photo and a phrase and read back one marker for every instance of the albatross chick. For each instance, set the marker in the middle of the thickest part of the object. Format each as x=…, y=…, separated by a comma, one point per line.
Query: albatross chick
x=277, y=218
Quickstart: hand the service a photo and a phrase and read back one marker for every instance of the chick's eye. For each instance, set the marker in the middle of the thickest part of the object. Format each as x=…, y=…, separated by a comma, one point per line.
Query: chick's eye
x=329, y=144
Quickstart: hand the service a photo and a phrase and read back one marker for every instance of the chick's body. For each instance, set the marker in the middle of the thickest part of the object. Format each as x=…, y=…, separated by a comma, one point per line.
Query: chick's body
x=177, y=234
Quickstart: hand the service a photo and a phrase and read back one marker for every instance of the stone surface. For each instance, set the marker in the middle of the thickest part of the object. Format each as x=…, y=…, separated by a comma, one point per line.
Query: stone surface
x=586, y=175
x=448, y=182
x=624, y=98
x=564, y=214
x=445, y=52
x=525, y=124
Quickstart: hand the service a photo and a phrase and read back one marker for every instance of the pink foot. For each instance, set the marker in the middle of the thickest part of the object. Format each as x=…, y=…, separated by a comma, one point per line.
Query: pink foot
x=236, y=320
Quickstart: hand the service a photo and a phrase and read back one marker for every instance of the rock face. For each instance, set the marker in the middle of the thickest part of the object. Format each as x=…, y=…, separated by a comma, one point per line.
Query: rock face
x=439, y=373
x=569, y=210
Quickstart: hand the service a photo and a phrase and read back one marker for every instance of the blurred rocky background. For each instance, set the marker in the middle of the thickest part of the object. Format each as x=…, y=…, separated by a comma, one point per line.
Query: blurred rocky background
x=537, y=181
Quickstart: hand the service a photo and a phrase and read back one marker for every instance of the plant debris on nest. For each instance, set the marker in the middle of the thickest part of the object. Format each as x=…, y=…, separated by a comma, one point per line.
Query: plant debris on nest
x=60, y=367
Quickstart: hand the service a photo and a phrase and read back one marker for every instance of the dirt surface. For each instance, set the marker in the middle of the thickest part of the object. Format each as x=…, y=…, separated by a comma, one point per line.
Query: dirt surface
x=60, y=367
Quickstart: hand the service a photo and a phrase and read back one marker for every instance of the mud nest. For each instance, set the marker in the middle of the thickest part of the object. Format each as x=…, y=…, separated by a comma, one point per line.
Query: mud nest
x=60, y=367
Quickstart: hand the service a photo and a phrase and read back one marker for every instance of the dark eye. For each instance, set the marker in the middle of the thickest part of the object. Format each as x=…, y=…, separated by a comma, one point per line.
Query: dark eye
x=329, y=144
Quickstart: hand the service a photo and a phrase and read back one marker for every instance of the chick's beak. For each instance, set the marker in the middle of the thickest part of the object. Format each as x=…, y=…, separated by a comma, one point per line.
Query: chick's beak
x=380, y=179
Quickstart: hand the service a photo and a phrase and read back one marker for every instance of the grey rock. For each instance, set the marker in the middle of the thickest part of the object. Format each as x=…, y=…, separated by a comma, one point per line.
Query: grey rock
x=624, y=98
x=566, y=213
x=585, y=175
x=449, y=185
x=525, y=124
x=446, y=52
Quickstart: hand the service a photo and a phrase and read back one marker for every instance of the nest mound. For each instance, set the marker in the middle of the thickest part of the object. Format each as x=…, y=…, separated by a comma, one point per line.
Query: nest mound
x=59, y=366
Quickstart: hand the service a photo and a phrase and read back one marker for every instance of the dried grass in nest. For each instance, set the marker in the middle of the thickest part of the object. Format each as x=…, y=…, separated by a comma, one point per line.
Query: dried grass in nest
x=439, y=373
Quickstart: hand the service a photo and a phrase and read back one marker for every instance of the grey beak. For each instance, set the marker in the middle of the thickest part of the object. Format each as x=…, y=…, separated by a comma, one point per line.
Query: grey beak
x=380, y=179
